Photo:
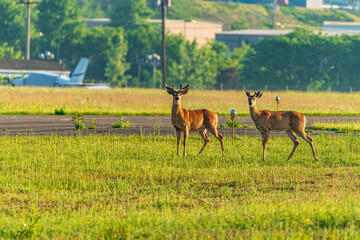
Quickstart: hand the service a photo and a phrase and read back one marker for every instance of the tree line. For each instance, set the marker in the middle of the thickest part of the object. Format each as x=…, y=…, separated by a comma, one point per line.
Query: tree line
x=117, y=51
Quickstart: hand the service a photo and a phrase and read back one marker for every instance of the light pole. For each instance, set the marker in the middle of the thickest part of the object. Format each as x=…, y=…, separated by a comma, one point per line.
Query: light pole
x=153, y=59
x=164, y=5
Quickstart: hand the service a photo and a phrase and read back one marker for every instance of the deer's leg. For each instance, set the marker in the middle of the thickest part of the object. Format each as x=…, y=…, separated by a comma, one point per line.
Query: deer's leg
x=219, y=137
x=293, y=138
x=265, y=139
x=203, y=134
x=304, y=136
x=186, y=134
x=178, y=135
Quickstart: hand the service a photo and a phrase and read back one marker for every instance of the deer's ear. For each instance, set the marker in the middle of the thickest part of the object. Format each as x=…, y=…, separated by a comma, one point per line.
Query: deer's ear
x=247, y=93
x=185, y=91
x=260, y=94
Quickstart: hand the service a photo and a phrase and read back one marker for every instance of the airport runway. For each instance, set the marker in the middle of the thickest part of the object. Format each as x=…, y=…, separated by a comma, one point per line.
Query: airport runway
x=42, y=125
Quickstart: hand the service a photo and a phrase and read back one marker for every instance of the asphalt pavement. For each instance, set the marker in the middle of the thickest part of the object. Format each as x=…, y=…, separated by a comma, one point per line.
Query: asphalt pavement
x=42, y=125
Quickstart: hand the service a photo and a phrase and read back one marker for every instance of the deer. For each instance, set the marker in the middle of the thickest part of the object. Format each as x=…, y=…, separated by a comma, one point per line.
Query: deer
x=292, y=122
x=185, y=121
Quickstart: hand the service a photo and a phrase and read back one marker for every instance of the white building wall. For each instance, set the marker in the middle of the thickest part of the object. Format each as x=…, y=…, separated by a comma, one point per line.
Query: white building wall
x=314, y=4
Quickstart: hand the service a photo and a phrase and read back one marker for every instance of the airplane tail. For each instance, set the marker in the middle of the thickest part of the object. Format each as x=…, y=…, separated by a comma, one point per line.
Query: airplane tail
x=79, y=73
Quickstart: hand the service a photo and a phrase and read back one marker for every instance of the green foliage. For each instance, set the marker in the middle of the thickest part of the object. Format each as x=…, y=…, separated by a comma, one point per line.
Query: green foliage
x=93, y=8
x=237, y=122
x=121, y=123
x=316, y=18
x=190, y=64
x=93, y=124
x=157, y=128
x=61, y=27
x=116, y=67
x=5, y=81
x=7, y=51
x=106, y=48
x=130, y=14
x=61, y=111
x=12, y=27
x=78, y=121
x=302, y=59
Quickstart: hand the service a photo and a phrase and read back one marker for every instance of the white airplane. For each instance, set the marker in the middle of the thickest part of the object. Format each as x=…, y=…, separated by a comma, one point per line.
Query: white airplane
x=53, y=80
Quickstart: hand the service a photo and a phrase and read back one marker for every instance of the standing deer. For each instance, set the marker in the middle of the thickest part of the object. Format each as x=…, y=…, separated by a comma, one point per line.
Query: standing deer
x=290, y=121
x=192, y=120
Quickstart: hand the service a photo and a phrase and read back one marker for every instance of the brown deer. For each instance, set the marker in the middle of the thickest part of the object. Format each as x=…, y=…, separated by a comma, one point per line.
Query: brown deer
x=290, y=121
x=192, y=120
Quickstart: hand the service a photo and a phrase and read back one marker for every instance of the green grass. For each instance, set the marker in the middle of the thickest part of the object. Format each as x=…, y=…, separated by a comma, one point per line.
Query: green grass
x=350, y=127
x=107, y=187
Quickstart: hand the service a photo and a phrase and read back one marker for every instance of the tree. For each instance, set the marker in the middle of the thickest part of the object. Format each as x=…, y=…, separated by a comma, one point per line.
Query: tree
x=7, y=51
x=129, y=14
x=61, y=27
x=189, y=64
x=12, y=24
x=142, y=41
x=106, y=48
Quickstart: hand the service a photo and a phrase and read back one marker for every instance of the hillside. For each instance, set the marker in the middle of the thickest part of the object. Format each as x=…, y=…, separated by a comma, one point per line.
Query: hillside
x=240, y=16
x=232, y=15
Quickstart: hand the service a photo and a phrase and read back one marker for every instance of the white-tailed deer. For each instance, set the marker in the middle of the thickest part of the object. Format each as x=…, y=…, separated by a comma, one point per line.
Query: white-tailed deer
x=290, y=121
x=192, y=120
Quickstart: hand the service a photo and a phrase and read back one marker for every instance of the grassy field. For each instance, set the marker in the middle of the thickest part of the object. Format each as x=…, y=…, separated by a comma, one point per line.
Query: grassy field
x=107, y=187
x=132, y=101
x=344, y=127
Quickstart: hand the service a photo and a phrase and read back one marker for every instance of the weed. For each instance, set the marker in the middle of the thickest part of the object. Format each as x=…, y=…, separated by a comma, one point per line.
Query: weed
x=120, y=123
x=79, y=121
x=228, y=122
x=93, y=124
x=27, y=230
x=61, y=111
x=157, y=128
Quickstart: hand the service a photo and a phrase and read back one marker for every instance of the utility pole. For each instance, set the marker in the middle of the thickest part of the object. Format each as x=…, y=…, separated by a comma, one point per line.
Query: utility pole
x=164, y=4
x=28, y=22
x=273, y=16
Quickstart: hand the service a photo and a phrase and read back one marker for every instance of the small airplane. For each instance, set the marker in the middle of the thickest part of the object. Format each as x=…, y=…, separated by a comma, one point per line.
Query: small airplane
x=76, y=79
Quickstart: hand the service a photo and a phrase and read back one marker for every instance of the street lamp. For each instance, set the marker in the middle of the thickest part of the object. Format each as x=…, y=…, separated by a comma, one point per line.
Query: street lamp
x=47, y=55
x=153, y=59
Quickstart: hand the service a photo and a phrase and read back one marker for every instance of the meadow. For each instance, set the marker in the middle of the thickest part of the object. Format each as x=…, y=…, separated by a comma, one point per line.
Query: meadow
x=132, y=101
x=118, y=187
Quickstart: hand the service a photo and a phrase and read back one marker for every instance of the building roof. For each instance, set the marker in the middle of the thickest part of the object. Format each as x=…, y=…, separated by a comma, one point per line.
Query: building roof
x=260, y=32
x=32, y=65
x=338, y=23
x=95, y=22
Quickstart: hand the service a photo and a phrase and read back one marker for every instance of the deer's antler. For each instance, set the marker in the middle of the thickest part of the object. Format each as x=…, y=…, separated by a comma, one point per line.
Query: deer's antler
x=181, y=88
x=169, y=89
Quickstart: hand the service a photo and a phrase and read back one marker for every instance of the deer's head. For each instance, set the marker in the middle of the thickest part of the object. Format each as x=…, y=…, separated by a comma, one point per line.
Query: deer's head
x=252, y=98
x=177, y=94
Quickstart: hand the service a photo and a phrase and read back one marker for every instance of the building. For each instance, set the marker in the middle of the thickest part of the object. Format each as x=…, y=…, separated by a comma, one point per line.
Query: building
x=235, y=39
x=342, y=4
x=316, y=4
x=313, y=4
x=191, y=30
x=16, y=67
x=335, y=26
x=95, y=22
x=202, y=32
